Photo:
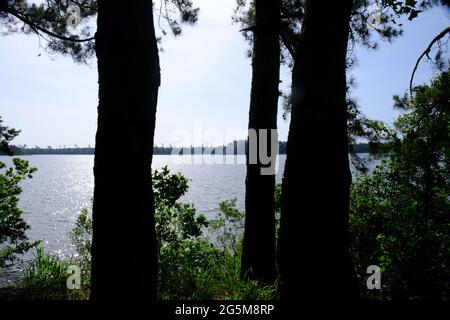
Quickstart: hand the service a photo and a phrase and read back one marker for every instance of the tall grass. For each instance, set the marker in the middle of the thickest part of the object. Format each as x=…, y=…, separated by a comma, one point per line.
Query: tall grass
x=45, y=278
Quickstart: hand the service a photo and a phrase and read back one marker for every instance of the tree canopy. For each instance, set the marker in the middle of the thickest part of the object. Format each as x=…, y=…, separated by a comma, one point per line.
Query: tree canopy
x=72, y=33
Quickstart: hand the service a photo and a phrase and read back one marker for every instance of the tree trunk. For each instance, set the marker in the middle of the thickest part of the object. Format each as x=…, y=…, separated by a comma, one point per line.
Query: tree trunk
x=314, y=260
x=124, y=264
x=259, y=239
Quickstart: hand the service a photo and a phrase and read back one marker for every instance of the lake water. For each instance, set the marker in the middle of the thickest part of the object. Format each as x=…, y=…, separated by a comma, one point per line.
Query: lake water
x=64, y=184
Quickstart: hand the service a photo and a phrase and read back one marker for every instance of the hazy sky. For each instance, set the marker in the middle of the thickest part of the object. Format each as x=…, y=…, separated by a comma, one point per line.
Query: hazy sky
x=205, y=85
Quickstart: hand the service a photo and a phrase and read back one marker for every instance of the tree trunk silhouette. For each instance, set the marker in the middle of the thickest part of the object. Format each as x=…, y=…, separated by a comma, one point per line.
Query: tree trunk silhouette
x=259, y=238
x=124, y=264
x=314, y=260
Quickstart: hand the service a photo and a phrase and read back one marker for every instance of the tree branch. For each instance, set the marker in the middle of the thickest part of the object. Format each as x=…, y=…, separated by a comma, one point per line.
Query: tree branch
x=35, y=27
x=292, y=15
x=287, y=44
x=425, y=53
x=251, y=28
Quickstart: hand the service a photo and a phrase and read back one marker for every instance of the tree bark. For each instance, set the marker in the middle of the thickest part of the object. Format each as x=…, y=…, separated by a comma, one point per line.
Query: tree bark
x=259, y=238
x=314, y=260
x=124, y=263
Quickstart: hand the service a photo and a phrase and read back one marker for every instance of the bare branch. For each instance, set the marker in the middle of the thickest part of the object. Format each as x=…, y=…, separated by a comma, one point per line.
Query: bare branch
x=426, y=53
x=287, y=44
x=251, y=28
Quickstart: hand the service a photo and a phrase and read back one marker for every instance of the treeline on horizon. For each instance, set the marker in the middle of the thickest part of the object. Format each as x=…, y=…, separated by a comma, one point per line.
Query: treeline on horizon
x=233, y=148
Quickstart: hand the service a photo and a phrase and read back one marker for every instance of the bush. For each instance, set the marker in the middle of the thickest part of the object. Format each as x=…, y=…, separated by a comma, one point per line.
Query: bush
x=81, y=236
x=44, y=278
x=13, y=238
x=204, y=270
x=183, y=269
x=400, y=214
x=174, y=221
x=190, y=265
x=229, y=227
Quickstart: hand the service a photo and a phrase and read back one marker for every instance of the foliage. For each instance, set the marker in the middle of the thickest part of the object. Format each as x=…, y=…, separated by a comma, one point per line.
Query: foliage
x=175, y=222
x=13, y=238
x=229, y=225
x=44, y=278
x=369, y=17
x=81, y=236
x=291, y=17
x=374, y=134
x=168, y=188
x=277, y=195
x=400, y=214
x=182, y=268
x=168, y=10
x=190, y=265
x=6, y=136
x=200, y=269
x=360, y=128
x=49, y=21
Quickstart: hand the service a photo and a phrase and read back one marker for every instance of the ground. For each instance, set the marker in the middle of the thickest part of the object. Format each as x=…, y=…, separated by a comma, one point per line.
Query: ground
x=9, y=293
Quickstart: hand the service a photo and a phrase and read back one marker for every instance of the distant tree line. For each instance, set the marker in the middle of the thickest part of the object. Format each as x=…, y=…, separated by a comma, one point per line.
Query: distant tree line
x=233, y=148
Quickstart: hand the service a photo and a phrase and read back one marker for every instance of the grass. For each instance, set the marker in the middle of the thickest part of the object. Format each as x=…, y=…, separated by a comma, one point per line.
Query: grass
x=199, y=271
x=45, y=278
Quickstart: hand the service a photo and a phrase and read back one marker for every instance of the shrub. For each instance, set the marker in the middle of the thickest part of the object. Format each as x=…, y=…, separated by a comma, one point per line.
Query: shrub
x=174, y=221
x=81, y=236
x=44, y=278
x=13, y=238
x=201, y=270
x=400, y=214
x=190, y=265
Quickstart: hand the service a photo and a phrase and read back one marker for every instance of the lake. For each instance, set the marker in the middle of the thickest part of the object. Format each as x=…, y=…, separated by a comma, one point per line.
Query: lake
x=64, y=184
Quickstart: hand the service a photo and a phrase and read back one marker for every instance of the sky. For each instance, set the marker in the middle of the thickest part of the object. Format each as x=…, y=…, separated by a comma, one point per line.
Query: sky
x=205, y=89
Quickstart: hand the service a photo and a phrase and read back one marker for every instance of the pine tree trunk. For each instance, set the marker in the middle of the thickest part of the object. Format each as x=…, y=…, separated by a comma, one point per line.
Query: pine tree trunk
x=314, y=260
x=259, y=238
x=124, y=264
